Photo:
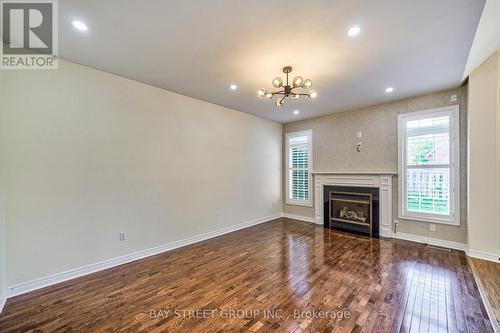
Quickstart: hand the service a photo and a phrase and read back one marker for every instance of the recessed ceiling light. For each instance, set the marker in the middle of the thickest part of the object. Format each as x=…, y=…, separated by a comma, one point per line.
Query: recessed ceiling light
x=296, y=112
x=233, y=87
x=389, y=89
x=354, y=31
x=80, y=25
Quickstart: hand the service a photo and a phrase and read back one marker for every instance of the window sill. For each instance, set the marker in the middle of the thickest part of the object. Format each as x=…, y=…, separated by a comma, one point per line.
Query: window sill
x=417, y=218
x=299, y=203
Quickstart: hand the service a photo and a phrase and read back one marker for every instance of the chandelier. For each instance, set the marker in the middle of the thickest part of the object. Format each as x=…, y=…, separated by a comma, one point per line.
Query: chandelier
x=299, y=87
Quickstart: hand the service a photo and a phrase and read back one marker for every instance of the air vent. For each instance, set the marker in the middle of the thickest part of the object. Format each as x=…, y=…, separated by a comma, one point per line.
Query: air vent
x=441, y=248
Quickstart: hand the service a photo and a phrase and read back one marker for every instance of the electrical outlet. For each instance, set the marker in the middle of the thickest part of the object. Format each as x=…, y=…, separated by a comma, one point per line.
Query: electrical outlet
x=123, y=236
x=360, y=135
x=453, y=98
x=432, y=227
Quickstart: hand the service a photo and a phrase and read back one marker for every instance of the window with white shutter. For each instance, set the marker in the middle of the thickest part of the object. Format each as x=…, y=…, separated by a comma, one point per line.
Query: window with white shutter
x=429, y=188
x=299, y=167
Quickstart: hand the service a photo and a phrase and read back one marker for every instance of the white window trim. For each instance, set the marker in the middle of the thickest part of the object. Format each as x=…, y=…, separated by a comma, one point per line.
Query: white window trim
x=453, y=112
x=289, y=201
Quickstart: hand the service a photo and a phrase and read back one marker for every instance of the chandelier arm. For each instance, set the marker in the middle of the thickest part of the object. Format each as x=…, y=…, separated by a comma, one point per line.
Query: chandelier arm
x=282, y=99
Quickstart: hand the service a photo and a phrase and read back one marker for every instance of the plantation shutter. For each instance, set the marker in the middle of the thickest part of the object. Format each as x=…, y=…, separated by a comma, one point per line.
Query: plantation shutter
x=299, y=168
x=428, y=165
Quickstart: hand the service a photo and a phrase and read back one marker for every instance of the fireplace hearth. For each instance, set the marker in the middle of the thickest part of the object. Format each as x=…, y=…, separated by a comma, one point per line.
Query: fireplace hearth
x=352, y=209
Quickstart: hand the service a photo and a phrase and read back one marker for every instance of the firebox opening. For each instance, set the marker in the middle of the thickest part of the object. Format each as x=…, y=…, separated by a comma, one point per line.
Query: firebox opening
x=352, y=209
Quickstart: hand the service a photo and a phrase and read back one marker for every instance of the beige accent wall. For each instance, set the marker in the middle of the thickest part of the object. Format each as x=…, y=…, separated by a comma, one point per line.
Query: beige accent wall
x=334, y=149
x=88, y=155
x=484, y=157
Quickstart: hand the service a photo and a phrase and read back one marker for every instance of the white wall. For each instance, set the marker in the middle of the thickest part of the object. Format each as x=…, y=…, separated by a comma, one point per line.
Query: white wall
x=2, y=211
x=89, y=154
x=498, y=155
x=484, y=159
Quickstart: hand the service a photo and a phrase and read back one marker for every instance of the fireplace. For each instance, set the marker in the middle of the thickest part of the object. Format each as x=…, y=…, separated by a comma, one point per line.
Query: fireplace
x=352, y=209
x=379, y=184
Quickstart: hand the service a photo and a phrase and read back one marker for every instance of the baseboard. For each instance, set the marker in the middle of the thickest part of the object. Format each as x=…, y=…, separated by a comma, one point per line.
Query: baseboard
x=299, y=217
x=46, y=281
x=431, y=241
x=3, y=298
x=483, y=255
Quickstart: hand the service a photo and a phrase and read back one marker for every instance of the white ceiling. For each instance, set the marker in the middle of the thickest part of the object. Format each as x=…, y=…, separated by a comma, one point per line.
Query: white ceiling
x=199, y=47
x=487, y=39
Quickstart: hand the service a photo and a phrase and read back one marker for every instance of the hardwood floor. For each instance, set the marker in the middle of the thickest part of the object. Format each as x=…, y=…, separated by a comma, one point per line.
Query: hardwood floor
x=283, y=276
x=488, y=274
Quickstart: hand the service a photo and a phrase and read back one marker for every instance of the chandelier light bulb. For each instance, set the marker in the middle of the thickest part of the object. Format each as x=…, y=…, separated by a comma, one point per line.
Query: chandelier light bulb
x=297, y=81
x=261, y=93
x=277, y=82
x=313, y=94
x=279, y=103
x=269, y=95
x=308, y=83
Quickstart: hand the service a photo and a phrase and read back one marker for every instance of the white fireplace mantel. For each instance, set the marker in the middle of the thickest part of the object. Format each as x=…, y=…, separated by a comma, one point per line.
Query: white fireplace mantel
x=380, y=180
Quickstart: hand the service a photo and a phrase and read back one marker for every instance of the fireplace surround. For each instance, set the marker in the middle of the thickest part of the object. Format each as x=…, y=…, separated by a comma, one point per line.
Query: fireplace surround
x=380, y=182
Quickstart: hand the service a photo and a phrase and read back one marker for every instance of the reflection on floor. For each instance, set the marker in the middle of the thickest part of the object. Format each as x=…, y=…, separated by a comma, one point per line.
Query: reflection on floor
x=283, y=275
x=488, y=274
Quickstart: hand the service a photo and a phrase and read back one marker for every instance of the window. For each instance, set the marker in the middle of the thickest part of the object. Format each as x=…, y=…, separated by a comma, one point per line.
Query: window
x=429, y=165
x=299, y=165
